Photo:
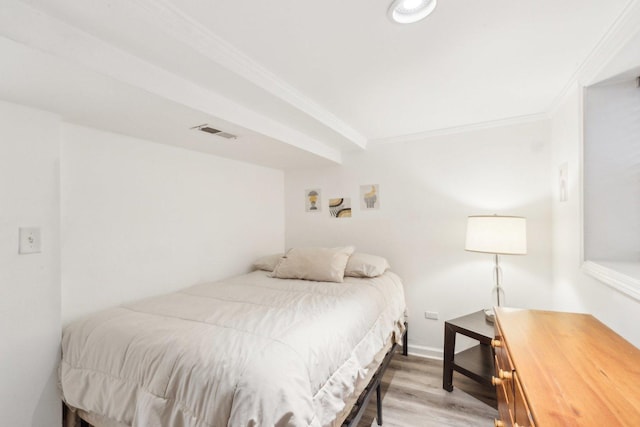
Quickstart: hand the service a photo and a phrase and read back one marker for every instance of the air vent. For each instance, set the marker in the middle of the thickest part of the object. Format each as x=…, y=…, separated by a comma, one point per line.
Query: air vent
x=208, y=129
x=226, y=135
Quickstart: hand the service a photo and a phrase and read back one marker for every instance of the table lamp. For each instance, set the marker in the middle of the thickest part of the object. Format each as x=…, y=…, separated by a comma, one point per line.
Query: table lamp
x=497, y=235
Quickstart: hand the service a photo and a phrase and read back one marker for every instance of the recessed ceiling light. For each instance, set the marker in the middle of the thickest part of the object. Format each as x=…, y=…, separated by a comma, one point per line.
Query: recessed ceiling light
x=409, y=11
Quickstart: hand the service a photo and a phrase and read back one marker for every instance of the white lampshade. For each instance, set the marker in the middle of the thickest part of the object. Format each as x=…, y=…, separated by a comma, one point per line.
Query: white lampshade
x=497, y=234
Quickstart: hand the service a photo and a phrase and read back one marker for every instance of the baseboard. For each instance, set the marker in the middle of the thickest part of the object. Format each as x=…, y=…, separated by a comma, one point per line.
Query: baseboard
x=427, y=352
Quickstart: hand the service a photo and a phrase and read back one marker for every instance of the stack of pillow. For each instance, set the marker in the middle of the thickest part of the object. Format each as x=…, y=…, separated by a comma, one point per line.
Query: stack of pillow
x=322, y=264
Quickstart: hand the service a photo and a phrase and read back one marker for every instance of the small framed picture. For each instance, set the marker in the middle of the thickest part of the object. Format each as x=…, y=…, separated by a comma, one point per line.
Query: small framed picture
x=369, y=197
x=340, y=207
x=313, y=200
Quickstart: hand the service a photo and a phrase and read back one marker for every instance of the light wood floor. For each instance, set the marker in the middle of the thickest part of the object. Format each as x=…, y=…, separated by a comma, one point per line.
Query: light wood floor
x=413, y=397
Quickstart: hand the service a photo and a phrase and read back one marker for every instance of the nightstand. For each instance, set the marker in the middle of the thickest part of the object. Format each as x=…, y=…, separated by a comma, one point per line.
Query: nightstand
x=475, y=362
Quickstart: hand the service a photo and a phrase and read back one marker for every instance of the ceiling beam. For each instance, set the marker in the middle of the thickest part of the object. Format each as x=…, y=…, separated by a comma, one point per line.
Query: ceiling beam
x=33, y=28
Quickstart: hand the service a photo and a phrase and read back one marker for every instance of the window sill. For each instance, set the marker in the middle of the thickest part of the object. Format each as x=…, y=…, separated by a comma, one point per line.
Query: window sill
x=623, y=276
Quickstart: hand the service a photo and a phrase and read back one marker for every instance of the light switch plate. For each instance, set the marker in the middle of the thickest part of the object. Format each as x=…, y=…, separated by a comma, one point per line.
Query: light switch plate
x=30, y=240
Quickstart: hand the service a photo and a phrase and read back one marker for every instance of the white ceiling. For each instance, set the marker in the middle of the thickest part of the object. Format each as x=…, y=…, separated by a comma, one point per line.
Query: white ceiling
x=307, y=80
x=471, y=61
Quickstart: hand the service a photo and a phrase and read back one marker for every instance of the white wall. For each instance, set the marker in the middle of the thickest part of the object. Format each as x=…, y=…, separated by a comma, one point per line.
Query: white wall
x=573, y=289
x=427, y=190
x=140, y=218
x=567, y=222
x=612, y=171
x=29, y=284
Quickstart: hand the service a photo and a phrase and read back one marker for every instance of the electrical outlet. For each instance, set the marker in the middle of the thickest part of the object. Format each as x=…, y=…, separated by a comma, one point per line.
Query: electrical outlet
x=30, y=240
x=432, y=315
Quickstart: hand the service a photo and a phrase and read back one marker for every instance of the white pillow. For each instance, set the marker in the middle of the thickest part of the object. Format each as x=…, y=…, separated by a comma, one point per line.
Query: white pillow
x=365, y=265
x=268, y=262
x=319, y=264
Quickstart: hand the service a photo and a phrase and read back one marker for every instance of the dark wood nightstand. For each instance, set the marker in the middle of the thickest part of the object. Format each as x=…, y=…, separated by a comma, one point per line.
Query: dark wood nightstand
x=475, y=362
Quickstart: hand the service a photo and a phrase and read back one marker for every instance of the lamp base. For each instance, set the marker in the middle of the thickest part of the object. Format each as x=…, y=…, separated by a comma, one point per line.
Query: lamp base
x=489, y=315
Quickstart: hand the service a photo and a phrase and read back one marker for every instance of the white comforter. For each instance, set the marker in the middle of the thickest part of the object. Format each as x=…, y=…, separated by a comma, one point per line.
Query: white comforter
x=246, y=351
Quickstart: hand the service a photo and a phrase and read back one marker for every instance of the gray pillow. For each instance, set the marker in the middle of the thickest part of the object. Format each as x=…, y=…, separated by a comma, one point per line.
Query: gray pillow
x=365, y=265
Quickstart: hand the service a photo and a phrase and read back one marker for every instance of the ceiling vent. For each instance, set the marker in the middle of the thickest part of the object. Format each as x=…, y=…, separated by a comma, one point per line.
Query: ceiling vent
x=208, y=129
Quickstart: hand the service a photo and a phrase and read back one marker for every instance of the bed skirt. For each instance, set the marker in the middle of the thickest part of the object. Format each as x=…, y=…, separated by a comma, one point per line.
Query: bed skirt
x=78, y=418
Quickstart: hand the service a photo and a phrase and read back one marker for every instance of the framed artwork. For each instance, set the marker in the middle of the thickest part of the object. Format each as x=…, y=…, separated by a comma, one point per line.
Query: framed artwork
x=340, y=207
x=313, y=200
x=369, y=197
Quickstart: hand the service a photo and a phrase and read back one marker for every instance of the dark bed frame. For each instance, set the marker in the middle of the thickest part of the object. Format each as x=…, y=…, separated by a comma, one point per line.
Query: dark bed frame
x=360, y=406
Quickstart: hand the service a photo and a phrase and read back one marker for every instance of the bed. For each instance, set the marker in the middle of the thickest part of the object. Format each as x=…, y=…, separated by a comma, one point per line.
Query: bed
x=251, y=350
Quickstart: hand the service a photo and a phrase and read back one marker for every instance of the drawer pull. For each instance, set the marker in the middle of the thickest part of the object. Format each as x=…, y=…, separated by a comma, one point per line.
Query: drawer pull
x=505, y=375
x=496, y=343
x=496, y=381
x=498, y=423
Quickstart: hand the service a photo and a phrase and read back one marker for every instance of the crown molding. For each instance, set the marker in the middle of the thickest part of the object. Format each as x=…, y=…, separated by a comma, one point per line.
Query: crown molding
x=31, y=27
x=510, y=121
x=184, y=28
x=614, y=39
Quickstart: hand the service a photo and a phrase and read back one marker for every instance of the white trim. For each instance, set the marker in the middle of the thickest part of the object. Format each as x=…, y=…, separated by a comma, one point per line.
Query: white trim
x=509, y=121
x=581, y=92
x=623, y=28
x=182, y=27
x=625, y=283
x=54, y=37
x=563, y=95
x=426, y=352
x=186, y=29
x=622, y=276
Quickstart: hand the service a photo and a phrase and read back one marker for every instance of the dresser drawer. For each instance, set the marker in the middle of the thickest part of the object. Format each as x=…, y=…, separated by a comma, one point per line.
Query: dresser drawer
x=500, y=350
x=505, y=406
x=522, y=413
x=503, y=381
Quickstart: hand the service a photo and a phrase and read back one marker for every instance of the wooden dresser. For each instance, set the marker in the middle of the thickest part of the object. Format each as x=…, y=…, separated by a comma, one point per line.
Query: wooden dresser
x=563, y=369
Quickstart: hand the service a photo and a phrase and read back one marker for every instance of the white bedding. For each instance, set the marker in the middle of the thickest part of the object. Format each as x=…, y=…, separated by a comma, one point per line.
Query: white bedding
x=247, y=351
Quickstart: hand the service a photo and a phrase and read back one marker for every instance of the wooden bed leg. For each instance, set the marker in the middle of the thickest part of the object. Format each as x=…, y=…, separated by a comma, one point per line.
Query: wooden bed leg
x=405, y=340
x=379, y=402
